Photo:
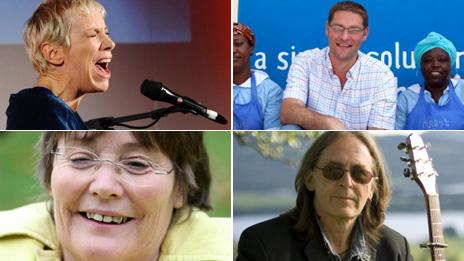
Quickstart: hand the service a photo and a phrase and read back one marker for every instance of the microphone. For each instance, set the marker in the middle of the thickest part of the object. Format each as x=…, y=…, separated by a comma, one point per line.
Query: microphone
x=158, y=92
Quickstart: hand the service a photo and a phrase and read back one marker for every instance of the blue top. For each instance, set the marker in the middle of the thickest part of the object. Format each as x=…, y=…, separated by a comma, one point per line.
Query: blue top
x=39, y=109
x=408, y=99
x=269, y=97
x=249, y=116
x=430, y=116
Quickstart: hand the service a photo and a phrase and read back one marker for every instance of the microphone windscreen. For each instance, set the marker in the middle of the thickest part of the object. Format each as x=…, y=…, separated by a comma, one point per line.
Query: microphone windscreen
x=151, y=89
x=220, y=119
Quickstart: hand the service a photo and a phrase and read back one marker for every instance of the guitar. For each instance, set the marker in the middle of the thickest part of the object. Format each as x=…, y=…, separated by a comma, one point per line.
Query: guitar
x=420, y=170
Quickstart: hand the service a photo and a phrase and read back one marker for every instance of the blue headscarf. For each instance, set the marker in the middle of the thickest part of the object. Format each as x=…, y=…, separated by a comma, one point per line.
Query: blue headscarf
x=434, y=40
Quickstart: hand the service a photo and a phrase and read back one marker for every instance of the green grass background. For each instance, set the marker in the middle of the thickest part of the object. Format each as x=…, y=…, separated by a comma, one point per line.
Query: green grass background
x=19, y=186
x=453, y=252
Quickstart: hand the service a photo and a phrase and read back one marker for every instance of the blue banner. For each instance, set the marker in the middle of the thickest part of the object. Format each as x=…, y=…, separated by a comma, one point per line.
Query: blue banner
x=283, y=28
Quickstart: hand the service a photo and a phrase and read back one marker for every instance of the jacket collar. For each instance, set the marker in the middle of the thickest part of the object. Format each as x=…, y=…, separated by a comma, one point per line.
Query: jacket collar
x=32, y=221
x=319, y=248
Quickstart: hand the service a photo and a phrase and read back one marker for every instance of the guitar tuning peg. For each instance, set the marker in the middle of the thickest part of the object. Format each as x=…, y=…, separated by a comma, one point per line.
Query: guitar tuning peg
x=428, y=145
x=402, y=146
x=405, y=159
x=407, y=172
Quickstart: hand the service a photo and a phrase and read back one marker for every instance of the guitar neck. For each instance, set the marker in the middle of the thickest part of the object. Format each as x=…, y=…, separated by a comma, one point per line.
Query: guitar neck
x=435, y=227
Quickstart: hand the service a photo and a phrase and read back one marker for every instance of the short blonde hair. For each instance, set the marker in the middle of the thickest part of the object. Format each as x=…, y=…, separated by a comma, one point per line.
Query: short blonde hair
x=51, y=22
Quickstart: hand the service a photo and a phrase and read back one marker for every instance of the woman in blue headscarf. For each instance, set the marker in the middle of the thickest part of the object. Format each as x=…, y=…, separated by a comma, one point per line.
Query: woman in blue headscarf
x=437, y=104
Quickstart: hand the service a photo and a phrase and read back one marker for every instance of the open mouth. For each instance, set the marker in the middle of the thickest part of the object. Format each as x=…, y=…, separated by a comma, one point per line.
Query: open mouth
x=103, y=66
x=344, y=45
x=102, y=219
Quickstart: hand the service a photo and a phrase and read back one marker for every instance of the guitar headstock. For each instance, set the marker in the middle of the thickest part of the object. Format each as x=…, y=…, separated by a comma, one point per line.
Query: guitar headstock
x=420, y=167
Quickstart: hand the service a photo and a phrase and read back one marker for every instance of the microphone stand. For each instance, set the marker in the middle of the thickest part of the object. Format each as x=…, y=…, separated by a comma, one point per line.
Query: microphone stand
x=106, y=123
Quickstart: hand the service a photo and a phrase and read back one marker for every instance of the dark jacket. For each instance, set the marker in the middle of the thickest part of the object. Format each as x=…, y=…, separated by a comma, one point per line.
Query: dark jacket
x=276, y=240
x=39, y=109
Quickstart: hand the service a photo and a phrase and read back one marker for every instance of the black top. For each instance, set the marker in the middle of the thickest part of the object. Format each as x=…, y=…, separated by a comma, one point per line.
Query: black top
x=39, y=109
x=276, y=240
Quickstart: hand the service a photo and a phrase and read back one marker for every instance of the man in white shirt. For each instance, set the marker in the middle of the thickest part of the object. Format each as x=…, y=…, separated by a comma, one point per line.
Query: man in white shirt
x=339, y=87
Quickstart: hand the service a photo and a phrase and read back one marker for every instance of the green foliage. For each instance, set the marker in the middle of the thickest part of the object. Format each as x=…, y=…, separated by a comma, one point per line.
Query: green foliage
x=218, y=146
x=272, y=144
x=453, y=252
x=250, y=202
x=18, y=185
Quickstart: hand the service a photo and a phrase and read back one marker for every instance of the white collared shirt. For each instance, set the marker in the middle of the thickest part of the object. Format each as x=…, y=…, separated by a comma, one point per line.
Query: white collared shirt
x=368, y=98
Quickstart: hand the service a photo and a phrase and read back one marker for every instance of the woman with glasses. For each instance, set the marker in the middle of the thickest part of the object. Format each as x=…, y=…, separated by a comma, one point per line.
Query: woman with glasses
x=343, y=193
x=437, y=104
x=256, y=97
x=119, y=196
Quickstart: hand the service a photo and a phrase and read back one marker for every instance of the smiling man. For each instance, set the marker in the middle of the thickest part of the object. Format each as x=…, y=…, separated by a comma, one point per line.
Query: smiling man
x=69, y=46
x=339, y=87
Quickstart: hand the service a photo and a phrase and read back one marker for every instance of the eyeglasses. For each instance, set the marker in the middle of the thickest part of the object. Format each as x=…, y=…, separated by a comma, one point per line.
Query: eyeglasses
x=358, y=174
x=351, y=30
x=136, y=170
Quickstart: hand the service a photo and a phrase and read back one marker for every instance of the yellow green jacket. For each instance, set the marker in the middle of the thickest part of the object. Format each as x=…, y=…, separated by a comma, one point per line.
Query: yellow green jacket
x=28, y=233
